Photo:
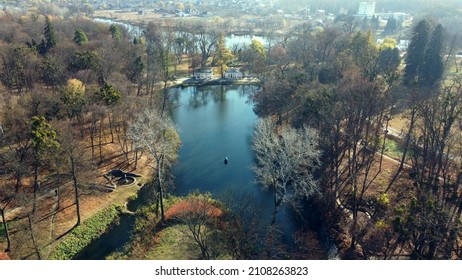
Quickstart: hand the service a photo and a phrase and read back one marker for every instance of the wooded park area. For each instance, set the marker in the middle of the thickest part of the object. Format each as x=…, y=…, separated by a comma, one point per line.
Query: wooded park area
x=361, y=141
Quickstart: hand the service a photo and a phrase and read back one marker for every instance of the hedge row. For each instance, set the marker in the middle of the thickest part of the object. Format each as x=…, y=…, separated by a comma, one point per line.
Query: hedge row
x=81, y=236
x=2, y=231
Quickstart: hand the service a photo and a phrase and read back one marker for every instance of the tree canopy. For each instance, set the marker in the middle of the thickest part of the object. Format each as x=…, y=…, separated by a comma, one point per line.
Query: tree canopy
x=80, y=38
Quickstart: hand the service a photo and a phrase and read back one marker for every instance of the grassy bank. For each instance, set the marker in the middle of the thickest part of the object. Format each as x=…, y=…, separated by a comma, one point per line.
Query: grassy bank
x=172, y=240
x=393, y=149
x=173, y=243
x=2, y=232
x=83, y=235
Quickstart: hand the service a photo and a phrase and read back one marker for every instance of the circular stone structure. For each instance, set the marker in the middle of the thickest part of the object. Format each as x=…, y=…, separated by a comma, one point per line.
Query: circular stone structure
x=126, y=181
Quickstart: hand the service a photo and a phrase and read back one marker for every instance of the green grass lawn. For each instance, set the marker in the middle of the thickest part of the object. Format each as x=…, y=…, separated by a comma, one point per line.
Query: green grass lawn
x=174, y=245
x=393, y=149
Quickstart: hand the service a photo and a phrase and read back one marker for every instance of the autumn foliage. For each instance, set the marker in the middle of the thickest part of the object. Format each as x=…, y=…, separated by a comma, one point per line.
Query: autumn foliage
x=4, y=257
x=193, y=205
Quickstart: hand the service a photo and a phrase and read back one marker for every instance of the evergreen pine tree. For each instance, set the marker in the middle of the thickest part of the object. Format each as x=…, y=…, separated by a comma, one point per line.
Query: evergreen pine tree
x=42, y=47
x=388, y=62
x=432, y=67
x=80, y=38
x=115, y=32
x=391, y=27
x=375, y=22
x=366, y=25
x=416, y=52
x=135, y=70
x=50, y=35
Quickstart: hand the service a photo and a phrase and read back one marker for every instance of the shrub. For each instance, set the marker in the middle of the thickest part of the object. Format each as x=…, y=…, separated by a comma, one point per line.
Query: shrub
x=383, y=200
x=109, y=94
x=381, y=224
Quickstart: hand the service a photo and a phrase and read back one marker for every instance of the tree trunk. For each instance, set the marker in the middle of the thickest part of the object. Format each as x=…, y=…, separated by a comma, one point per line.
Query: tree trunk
x=92, y=141
x=81, y=126
x=164, y=99
x=111, y=127
x=384, y=142
x=36, y=184
x=76, y=190
x=277, y=203
x=20, y=152
x=140, y=86
x=58, y=192
x=5, y=226
x=159, y=182
x=100, y=141
x=275, y=212
x=355, y=215
x=204, y=251
x=19, y=182
x=34, y=241
x=406, y=147
x=136, y=159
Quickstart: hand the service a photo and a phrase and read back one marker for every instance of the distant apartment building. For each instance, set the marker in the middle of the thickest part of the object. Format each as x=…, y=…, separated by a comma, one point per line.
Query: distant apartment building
x=366, y=9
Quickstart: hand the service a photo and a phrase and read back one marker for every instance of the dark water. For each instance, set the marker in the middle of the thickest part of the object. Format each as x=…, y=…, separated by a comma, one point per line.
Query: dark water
x=215, y=122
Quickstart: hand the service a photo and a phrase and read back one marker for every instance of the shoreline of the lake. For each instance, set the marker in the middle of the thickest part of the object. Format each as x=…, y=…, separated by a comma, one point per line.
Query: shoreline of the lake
x=188, y=82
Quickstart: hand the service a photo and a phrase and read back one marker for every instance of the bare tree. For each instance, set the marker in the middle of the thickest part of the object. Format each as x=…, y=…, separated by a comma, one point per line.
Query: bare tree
x=200, y=218
x=160, y=58
x=17, y=138
x=156, y=135
x=245, y=228
x=285, y=162
x=74, y=162
x=433, y=222
x=206, y=40
x=6, y=197
x=275, y=98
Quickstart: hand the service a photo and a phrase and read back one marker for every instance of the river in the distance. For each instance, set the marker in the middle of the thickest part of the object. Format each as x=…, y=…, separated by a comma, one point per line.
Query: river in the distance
x=230, y=41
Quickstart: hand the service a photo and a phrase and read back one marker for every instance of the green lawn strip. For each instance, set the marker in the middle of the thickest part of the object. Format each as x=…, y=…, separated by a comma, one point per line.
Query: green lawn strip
x=393, y=149
x=83, y=235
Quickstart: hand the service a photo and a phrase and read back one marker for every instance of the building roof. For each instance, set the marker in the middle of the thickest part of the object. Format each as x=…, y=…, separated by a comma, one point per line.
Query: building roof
x=232, y=70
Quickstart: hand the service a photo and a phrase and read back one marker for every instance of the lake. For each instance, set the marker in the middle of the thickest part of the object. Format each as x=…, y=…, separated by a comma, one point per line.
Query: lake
x=215, y=122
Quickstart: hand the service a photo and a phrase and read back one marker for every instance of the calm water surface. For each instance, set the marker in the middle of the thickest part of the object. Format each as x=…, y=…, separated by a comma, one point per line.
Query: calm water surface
x=215, y=122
